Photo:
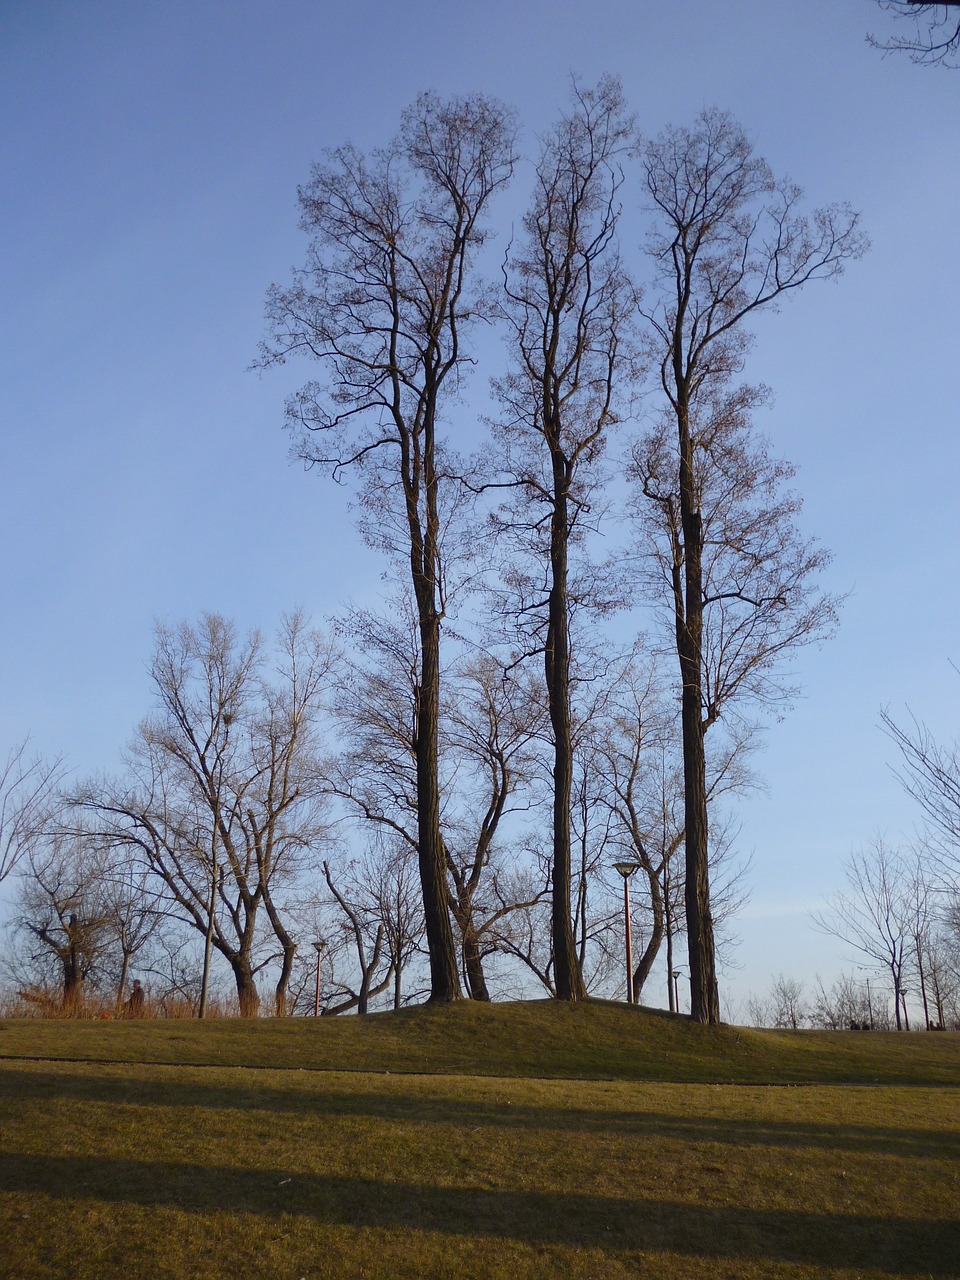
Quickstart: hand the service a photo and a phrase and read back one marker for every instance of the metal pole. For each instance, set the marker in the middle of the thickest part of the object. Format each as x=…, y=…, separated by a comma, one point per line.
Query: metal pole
x=626, y=913
x=626, y=869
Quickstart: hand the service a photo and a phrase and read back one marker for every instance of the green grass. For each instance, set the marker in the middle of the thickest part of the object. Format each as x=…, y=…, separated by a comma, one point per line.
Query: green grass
x=570, y=1142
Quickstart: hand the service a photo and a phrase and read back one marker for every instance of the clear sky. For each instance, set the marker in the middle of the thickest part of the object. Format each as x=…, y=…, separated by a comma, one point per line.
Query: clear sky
x=150, y=159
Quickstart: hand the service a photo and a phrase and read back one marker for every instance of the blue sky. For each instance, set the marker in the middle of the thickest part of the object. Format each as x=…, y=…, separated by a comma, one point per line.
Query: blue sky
x=151, y=156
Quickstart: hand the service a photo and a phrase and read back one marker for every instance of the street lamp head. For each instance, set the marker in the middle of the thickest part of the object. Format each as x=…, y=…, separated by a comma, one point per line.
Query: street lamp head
x=626, y=869
x=320, y=947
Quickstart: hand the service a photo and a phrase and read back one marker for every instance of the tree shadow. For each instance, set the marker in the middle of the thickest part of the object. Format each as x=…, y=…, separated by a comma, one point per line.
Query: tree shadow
x=430, y=1109
x=907, y=1246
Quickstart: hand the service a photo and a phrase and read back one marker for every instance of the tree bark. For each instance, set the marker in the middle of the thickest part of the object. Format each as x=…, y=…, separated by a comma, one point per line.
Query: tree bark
x=646, y=962
x=444, y=974
x=701, y=952
x=283, y=982
x=568, y=976
x=72, y=971
x=248, y=997
x=122, y=984
x=473, y=968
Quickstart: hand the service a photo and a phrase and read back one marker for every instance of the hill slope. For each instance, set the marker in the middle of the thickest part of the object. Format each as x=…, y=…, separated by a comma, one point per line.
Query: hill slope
x=594, y=1040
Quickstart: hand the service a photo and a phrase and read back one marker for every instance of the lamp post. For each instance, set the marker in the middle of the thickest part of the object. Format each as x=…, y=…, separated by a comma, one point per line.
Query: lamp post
x=319, y=947
x=864, y=969
x=627, y=869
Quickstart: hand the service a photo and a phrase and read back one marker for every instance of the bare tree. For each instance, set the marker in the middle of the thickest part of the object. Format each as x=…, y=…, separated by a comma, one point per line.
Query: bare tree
x=133, y=910
x=362, y=932
x=382, y=305
x=173, y=970
x=727, y=241
x=567, y=306
x=874, y=916
x=597, y=907
x=524, y=933
x=941, y=968
x=490, y=728
x=934, y=38
x=790, y=1010
x=376, y=710
x=931, y=775
x=488, y=724
x=64, y=917
x=27, y=790
x=393, y=885
x=636, y=740
x=921, y=911
x=784, y=1007
x=225, y=799
x=851, y=1004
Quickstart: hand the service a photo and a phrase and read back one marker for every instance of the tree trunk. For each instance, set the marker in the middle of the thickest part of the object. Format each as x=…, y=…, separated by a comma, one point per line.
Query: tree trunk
x=283, y=982
x=473, y=968
x=704, y=996
x=444, y=974
x=923, y=984
x=122, y=985
x=461, y=904
x=642, y=971
x=72, y=973
x=938, y=1001
x=568, y=976
x=248, y=997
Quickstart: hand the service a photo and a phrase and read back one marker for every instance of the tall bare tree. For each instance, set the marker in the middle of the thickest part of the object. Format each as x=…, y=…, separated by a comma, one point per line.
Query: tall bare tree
x=568, y=306
x=382, y=305
x=727, y=241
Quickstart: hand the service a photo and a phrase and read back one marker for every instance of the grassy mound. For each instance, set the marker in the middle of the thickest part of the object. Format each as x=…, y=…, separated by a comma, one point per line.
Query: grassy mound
x=509, y=1142
x=597, y=1040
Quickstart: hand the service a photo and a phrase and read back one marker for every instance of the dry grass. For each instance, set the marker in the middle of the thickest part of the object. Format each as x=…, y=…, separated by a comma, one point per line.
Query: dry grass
x=140, y=1169
x=595, y=1040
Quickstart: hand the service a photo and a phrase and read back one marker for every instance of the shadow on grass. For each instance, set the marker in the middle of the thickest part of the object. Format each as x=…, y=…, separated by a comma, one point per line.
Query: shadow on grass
x=907, y=1246
x=430, y=1109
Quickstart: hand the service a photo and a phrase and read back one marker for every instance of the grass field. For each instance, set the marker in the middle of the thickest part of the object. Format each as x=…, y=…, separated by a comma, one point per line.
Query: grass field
x=546, y=1141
